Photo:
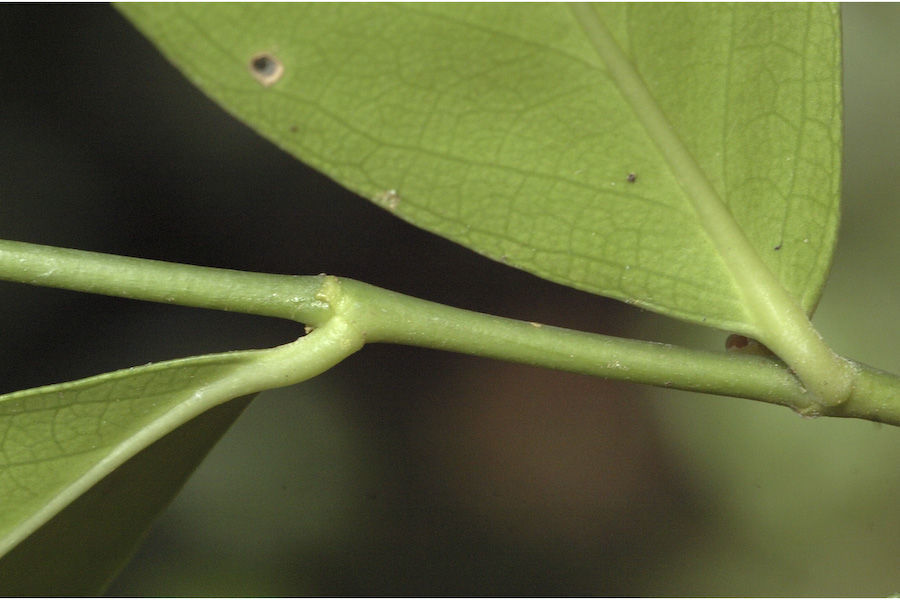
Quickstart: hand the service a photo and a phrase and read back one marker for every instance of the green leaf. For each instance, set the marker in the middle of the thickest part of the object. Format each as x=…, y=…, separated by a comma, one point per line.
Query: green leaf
x=83, y=547
x=685, y=158
x=514, y=129
x=58, y=441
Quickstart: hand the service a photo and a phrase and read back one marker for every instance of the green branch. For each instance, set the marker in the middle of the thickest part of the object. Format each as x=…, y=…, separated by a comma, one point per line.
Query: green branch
x=284, y=296
x=370, y=314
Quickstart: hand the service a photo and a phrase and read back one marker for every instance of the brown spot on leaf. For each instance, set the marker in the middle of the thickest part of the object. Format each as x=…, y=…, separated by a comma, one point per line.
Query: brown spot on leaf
x=266, y=69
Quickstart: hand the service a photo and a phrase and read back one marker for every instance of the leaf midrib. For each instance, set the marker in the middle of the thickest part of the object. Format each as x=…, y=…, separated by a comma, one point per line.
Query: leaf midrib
x=740, y=259
x=773, y=315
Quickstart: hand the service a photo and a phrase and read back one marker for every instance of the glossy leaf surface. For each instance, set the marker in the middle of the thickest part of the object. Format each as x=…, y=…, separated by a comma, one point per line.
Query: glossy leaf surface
x=516, y=131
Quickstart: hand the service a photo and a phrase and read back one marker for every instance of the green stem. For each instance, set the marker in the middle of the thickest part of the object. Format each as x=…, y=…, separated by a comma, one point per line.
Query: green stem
x=370, y=314
x=284, y=296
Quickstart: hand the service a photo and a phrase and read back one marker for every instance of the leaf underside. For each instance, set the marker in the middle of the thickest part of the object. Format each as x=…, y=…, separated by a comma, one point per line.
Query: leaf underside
x=83, y=547
x=57, y=441
x=500, y=127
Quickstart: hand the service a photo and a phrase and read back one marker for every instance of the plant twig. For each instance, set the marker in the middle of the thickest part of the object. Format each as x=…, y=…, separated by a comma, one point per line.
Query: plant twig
x=373, y=314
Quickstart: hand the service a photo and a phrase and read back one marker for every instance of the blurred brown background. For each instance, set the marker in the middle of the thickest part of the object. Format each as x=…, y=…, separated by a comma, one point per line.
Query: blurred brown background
x=412, y=472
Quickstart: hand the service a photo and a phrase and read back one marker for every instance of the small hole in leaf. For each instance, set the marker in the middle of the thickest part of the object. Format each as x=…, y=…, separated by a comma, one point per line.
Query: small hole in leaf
x=266, y=69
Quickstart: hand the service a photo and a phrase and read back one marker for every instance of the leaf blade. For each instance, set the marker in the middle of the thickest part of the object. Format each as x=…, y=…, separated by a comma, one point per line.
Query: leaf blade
x=504, y=129
x=57, y=441
x=485, y=128
x=60, y=440
x=83, y=547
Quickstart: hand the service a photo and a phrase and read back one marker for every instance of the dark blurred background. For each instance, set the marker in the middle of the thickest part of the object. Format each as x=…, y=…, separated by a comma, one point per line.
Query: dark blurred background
x=414, y=472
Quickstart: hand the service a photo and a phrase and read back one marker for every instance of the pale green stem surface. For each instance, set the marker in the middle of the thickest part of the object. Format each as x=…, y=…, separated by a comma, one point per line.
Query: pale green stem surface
x=285, y=296
x=354, y=313
x=781, y=324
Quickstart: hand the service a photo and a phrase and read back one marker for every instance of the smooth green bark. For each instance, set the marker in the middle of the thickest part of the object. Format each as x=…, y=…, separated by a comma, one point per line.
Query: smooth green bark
x=356, y=313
